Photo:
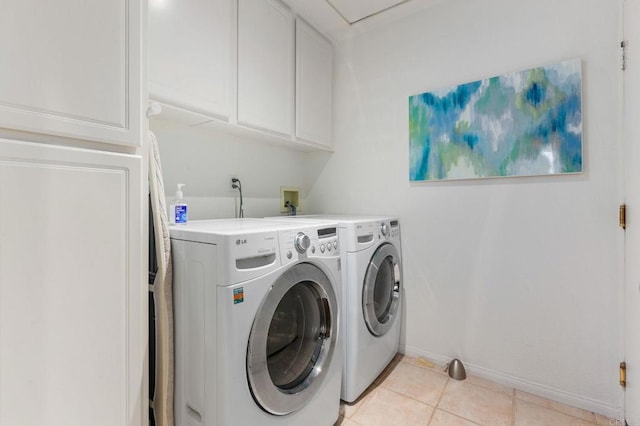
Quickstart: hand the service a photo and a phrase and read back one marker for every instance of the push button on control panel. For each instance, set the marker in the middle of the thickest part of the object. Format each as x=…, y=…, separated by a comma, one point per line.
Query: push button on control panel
x=322, y=248
x=289, y=254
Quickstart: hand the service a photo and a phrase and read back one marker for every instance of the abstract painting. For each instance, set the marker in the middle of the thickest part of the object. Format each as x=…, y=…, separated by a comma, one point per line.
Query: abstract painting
x=525, y=123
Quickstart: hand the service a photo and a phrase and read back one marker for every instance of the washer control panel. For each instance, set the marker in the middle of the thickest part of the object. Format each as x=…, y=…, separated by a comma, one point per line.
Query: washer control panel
x=309, y=242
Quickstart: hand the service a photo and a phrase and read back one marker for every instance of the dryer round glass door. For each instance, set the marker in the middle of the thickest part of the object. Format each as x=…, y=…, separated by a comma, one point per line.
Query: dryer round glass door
x=381, y=290
x=292, y=340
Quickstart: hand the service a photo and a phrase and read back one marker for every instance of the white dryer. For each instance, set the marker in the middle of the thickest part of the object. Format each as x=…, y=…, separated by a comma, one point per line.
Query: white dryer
x=372, y=302
x=256, y=323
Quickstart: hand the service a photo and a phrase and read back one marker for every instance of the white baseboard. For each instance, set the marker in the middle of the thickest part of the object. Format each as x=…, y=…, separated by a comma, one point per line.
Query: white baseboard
x=523, y=385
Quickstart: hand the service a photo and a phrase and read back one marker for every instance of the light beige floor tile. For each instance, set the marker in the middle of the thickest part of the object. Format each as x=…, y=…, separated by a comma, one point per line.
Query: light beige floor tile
x=527, y=414
x=345, y=422
x=487, y=384
x=384, y=407
x=425, y=363
x=547, y=403
x=348, y=410
x=415, y=382
x=442, y=418
x=388, y=369
x=477, y=404
x=606, y=421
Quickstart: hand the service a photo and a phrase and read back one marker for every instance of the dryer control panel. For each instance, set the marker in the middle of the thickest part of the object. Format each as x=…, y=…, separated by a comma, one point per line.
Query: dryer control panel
x=395, y=229
x=364, y=234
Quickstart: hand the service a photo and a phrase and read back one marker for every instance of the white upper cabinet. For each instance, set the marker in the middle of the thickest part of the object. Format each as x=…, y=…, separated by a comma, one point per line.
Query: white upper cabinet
x=265, y=66
x=244, y=66
x=314, y=85
x=73, y=69
x=190, y=54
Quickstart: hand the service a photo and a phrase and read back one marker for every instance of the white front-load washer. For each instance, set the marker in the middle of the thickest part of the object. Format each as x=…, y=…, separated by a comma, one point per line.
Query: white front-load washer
x=372, y=302
x=257, y=325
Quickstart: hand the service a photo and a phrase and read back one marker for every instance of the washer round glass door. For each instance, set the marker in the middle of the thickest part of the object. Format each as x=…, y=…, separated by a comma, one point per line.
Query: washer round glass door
x=292, y=340
x=381, y=290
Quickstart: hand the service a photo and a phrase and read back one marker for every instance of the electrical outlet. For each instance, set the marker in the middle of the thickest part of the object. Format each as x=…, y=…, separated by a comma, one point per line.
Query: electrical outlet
x=232, y=183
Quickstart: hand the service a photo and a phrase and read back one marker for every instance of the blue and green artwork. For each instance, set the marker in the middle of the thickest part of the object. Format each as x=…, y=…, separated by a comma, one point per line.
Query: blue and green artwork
x=523, y=123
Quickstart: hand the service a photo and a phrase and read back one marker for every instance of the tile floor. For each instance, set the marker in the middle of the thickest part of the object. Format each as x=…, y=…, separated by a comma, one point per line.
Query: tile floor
x=415, y=392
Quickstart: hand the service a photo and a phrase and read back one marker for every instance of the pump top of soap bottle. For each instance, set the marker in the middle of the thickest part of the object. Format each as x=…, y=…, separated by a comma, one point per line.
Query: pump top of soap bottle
x=179, y=192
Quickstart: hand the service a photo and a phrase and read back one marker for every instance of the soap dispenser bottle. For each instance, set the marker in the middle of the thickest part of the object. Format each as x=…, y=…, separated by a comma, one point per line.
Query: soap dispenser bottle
x=178, y=210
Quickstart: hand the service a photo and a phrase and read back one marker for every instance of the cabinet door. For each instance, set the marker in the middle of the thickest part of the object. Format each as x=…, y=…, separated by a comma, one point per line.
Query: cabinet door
x=72, y=293
x=265, y=66
x=314, y=85
x=190, y=54
x=72, y=68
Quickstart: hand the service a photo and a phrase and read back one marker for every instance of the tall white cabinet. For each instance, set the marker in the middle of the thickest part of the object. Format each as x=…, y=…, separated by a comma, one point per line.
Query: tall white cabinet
x=73, y=290
x=71, y=305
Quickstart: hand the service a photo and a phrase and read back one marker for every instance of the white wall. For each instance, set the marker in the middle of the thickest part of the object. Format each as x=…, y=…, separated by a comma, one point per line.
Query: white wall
x=206, y=160
x=520, y=277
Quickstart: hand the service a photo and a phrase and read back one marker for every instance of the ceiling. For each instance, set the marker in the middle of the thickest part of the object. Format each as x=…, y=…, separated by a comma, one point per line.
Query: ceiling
x=354, y=11
x=340, y=19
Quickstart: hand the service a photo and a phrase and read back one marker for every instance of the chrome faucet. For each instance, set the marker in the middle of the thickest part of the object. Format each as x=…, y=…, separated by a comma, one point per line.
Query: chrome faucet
x=291, y=208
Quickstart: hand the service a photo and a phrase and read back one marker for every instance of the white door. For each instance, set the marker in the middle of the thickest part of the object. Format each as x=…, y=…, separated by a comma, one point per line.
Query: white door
x=314, y=85
x=292, y=340
x=72, y=68
x=265, y=66
x=632, y=188
x=72, y=289
x=381, y=290
x=190, y=54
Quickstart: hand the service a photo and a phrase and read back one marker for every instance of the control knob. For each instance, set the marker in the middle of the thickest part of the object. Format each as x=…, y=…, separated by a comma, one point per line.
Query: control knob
x=384, y=229
x=302, y=242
